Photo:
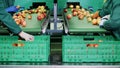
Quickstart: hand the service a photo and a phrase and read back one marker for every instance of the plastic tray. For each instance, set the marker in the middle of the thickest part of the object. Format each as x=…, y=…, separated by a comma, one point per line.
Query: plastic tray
x=34, y=51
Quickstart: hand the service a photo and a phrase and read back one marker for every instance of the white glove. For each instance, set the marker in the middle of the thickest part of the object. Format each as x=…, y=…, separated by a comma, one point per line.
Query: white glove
x=103, y=19
x=102, y=22
x=26, y=36
x=106, y=17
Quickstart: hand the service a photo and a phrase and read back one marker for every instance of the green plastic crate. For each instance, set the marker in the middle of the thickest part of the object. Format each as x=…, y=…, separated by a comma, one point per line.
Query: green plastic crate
x=75, y=49
x=32, y=51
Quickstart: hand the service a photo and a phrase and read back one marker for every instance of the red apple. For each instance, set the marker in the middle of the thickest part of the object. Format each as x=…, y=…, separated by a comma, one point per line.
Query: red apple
x=74, y=13
x=23, y=22
x=95, y=45
x=17, y=21
x=14, y=17
x=40, y=17
x=69, y=16
x=81, y=16
x=65, y=10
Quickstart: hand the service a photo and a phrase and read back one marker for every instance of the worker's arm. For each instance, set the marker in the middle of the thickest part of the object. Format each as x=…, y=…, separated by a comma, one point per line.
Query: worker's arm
x=7, y=20
x=106, y=9
x=10, y=2
x=114, y=22
x=13, y=27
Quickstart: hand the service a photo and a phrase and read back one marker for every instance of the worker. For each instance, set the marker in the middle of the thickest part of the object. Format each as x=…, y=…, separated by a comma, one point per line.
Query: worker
x=112, y=22
x=6, y=18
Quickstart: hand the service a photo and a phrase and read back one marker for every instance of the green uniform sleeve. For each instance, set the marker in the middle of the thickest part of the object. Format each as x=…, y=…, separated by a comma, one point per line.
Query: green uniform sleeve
x=106, y=8
x=114, y=22
x=104, y=12
x=7, y=20
x=10, y=2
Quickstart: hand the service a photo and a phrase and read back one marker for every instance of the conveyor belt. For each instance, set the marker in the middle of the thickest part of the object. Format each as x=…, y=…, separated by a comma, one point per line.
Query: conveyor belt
x=34, y=25
x=75, y=25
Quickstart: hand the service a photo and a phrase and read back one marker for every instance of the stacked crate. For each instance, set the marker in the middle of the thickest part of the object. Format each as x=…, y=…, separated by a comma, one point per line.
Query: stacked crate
x=30, y=51
x=84, y=49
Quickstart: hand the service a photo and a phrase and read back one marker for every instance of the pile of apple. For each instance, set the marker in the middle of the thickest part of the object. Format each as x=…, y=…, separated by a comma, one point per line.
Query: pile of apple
x=81, y=13
x=21, y=16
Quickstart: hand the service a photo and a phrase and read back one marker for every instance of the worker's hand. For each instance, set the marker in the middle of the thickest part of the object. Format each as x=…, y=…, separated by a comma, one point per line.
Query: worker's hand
x=26, y=36
x=95, y=15
x=103, y=19
x=12, y=9
x=106, y=17
x=102, y=22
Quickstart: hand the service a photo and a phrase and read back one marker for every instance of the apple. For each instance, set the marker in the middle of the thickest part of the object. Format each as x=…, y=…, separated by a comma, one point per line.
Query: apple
x=39, y=7
x=29, y=17
x=65, y=10
x=77, y=7
x=74, y=13
x=42, y=7
x=14, y=17
x=18, y=44
x=81, y=16
x=40, y=11
x=33, y=10
x=98, y=20
x=89, y=19
x=74, y=10
x=44, y=15
x=23, y=22
x=40, y=17
x=80, y=12
x=69, y=16
x=23, y=15
x=85, y=13
x=94, y=21
x=20, y=17
x=83, y=9
x=88, y=15
x=44, y=10
x=91, y=15
x=88, y=45
x=29, y=12
x=36, y=11
x=100, y=40
x=26, y=11
x=18, y=6
x=71, y=6
x=95, y=45
x=17, y=21
x=91, y=45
